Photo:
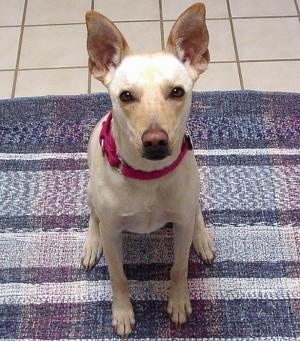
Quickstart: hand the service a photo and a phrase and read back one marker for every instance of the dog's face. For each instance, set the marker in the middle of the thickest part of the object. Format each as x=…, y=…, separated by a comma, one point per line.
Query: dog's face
x=150, y=93
x=151, y=96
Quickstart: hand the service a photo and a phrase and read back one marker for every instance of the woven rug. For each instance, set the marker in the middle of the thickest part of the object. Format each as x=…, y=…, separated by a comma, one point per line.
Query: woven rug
x=247, y=145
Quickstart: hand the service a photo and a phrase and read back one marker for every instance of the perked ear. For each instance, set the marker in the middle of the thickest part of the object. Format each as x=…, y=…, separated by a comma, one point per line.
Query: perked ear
x=106, y=46
x=188, y=40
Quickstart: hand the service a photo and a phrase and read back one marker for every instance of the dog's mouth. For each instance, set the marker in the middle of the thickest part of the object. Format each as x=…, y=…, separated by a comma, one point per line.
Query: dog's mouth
x=157, y=152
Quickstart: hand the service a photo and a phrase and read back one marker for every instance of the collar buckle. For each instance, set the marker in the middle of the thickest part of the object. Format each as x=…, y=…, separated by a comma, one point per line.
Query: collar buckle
x=189, y=140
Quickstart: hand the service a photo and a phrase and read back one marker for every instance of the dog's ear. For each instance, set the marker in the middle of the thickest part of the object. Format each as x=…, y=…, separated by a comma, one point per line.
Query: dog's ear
x=188, y=39
x=106, y=46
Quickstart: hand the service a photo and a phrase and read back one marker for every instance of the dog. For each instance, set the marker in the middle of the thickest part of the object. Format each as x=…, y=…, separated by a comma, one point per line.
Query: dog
x=143, y=173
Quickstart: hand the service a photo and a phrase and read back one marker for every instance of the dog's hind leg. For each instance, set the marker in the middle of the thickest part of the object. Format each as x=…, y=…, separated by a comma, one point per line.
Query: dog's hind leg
x=202, y=242
x=92, y=249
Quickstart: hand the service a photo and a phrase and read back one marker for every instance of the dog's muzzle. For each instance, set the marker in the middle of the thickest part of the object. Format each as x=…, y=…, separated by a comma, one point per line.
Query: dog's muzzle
x=155, y=144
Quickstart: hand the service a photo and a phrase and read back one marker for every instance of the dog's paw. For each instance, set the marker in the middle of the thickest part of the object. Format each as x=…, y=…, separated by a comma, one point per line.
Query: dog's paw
x=123, y=319
x=179, y=305
x=204, y=246
x=92, y=252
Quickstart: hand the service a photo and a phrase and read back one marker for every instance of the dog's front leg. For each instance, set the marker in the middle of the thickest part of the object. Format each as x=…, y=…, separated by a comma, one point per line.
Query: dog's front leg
x=179, y=305
x=122, y=311
x=92, y=249
x=202, y=242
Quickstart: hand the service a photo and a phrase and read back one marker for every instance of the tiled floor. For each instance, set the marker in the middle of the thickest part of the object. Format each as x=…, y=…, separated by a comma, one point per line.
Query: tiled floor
x=253, y=44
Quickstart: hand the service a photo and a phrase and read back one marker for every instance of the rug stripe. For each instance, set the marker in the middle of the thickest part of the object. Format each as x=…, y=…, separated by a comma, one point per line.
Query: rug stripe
x=200, y=289
x=75, y=164
x=273, y=338
x=251, y=217
x=241, y=123
x=44, y=223
x=247, y=152
x=224, y=187
x=43, y=193
x=250, y=188
x=200, y=152
x=261, y=317
x=247, y=244
x=244, y=160
x=70, y=161
x=42, y=156
x=77, y=223
x=43, y=165
x=157, y=271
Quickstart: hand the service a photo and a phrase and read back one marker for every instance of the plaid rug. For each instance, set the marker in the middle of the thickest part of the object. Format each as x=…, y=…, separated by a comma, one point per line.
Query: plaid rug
x=247, y=148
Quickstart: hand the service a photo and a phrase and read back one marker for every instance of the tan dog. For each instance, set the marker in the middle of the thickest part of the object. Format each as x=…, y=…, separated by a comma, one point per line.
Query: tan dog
x=143, y=174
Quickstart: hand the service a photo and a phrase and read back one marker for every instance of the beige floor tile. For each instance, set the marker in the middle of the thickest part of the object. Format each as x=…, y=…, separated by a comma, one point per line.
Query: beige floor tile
x=221, y=46
x=6, y=83
x=214, y=8
x=127, y=10
x=220, y=40
x=56, y=11
x=267, y=38
x=52, y=82
x=11, y=12
x=167, y=28
x=142, y=36
x=219, y=77
x=9, y=38
x=97, y=86
x=258, y=8
x=54, y=46
x=272, y=76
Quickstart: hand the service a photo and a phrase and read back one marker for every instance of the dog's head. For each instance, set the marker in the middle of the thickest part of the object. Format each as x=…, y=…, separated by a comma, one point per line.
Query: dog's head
x=150, y=93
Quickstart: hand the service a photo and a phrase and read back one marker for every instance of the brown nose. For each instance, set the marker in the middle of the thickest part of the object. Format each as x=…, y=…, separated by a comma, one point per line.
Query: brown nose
x=155, y=137
x=155, y=144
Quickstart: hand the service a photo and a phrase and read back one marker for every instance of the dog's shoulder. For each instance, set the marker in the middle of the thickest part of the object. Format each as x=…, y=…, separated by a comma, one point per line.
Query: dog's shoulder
x=94, y=147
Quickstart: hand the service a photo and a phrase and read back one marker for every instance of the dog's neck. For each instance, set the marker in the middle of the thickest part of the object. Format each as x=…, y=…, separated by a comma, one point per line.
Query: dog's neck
x=109, y=149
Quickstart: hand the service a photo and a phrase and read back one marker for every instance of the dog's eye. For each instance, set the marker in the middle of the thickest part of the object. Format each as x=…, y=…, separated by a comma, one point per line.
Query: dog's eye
x=177, y=92
x=126, y=97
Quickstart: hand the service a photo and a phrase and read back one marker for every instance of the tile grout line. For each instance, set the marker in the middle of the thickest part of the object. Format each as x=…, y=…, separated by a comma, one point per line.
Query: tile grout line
x=13, y=91
x=266, y=17
x=154, y=20
x=54, y=68
x=297, y=9
x=161, y=20
x=83, y=23
x=211, y=62
x=235, y=46
x=269, y=60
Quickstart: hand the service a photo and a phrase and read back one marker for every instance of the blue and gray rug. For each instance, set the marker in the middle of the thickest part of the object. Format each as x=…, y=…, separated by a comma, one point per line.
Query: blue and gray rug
x=247, y=146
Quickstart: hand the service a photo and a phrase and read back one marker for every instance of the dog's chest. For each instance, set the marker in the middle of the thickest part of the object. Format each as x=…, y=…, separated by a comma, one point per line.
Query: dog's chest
x=145, y=222
x=147, y=212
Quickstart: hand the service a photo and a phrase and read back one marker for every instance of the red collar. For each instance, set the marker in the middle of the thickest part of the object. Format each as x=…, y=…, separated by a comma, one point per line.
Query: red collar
x=109, y=149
